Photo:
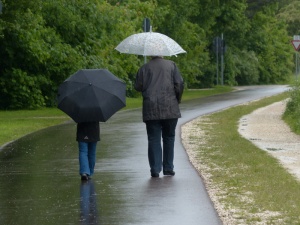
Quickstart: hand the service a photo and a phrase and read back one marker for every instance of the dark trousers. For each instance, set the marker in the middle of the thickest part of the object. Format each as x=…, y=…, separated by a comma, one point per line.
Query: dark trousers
x=161, y=157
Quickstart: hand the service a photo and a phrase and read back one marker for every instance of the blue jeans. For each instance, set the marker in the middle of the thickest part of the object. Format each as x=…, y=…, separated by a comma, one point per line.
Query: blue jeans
x=161, y=157
x=87, y=157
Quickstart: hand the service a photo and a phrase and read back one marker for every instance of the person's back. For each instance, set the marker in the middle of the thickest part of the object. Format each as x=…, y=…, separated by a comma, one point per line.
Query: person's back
x=161, y=85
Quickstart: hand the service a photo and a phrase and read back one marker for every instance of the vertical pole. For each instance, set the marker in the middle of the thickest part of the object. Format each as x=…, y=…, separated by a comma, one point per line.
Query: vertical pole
x=222, y=62
x=217, y=54
x=296, y=65
x=145, y=30
x=297, y=69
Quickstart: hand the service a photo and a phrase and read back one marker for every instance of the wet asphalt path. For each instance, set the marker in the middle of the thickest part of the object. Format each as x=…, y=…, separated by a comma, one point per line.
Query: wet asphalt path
x=40, y=185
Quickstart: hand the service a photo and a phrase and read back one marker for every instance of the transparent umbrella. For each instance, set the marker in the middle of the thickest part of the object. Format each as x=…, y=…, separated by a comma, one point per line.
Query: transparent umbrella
x=150, y=44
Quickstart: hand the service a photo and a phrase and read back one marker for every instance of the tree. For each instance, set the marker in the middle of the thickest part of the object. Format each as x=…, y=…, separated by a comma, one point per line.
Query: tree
x=177, y=20
x=290, y=14
x=32, y=53
x=44, y=42
x=268, y=38
x=234, y=25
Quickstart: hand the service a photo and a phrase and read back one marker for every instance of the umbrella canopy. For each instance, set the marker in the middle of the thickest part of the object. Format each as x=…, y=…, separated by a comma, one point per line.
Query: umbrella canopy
x=91, y=95
x=150, y=44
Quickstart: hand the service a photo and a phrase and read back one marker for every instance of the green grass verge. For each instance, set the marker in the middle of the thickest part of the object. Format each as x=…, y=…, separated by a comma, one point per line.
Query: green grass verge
x=249, y=179
x=15, y=124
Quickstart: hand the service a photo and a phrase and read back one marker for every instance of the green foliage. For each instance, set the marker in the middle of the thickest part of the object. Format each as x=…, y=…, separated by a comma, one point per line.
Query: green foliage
x=22, y=91
x=178, y=21
x=269, y=40
x=194, y=63
x=37, y=53
x=233, y=22
x=292, y=113
x=50, y=40
x=290, y=15
x=242, y=67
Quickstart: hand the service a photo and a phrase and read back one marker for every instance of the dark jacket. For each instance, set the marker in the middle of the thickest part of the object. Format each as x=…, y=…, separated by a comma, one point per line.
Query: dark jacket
x=162, y=86
x=88, y=132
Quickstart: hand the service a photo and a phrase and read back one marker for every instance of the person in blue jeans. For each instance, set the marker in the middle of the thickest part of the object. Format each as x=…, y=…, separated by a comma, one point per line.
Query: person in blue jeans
x=87, y=136
x=161, y=85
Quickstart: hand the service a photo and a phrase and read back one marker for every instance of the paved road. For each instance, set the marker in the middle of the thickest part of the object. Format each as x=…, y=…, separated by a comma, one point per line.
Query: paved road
x=40, y=185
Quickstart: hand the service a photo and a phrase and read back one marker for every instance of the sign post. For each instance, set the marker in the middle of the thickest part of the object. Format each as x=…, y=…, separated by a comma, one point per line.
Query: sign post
x=146, y=28
x=219, y=47
x=216, y=48
x=296, y=44
x=222, y=59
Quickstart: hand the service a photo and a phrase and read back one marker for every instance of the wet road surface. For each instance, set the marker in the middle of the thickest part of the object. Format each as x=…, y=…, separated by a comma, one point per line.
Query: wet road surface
x=40, y=185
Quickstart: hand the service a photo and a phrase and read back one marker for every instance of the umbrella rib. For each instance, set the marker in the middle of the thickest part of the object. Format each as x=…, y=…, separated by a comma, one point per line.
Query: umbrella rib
x=170, y=49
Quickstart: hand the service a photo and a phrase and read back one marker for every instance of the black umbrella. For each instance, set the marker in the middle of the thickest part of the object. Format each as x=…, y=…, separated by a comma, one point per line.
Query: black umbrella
x=91, y=95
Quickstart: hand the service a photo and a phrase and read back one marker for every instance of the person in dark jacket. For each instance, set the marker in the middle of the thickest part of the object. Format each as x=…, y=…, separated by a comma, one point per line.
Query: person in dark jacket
x=87, y=136
x=161, y=85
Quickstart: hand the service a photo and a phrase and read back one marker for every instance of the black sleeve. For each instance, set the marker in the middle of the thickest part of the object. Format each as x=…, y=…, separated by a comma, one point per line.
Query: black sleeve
x=178, y=84
x=138, y=85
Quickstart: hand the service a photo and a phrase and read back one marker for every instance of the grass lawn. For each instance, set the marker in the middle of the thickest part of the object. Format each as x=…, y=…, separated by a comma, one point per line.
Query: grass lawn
x=15, y=124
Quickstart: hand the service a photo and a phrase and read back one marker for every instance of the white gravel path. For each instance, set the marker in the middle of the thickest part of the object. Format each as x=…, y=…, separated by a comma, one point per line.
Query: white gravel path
x=265, y=128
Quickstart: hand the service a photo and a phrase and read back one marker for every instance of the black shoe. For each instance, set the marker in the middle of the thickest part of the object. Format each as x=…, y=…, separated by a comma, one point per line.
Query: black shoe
x=169, y=172
x=154, y=174
x=84, y=177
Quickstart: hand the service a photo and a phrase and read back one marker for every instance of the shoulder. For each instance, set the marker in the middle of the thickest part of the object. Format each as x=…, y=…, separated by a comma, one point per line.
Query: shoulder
x=168, y=61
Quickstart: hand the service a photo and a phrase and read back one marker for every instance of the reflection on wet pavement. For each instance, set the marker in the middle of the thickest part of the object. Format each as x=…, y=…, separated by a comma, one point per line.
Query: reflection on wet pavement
x=88, y=203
